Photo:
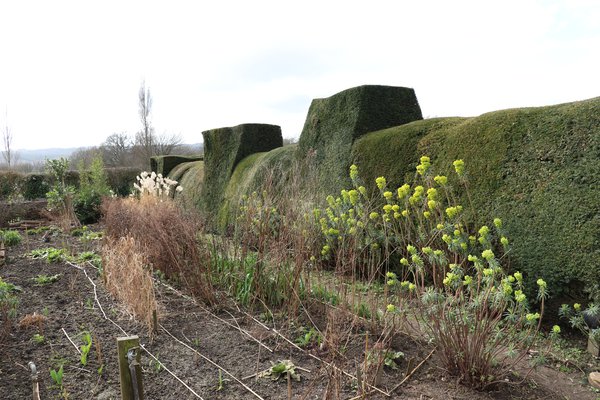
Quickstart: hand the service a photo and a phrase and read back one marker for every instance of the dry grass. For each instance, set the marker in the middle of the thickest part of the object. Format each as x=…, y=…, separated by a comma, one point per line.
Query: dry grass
x=129, y=279
x=166, y=235
x=35, y=320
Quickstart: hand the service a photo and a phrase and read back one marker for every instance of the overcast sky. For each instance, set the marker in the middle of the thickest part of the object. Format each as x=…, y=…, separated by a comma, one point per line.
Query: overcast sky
x=70, y=71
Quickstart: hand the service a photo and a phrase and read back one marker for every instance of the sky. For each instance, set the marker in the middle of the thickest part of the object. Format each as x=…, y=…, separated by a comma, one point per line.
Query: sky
x=70, y=71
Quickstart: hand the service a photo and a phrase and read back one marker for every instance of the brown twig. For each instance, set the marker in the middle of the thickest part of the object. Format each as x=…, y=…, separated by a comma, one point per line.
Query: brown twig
x=411, y=373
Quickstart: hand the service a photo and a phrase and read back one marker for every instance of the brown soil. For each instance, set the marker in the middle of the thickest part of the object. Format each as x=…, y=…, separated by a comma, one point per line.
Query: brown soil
x=70, y=307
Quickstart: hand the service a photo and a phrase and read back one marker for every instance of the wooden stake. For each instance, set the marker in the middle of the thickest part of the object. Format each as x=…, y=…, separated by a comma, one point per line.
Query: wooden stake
x=124, y=344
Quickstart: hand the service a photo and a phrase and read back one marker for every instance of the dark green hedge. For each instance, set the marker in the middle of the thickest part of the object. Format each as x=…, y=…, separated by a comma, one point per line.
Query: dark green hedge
x=191, y=181
x=333, y=124
x=536, y=168
x=224, y=148
x=165, y=164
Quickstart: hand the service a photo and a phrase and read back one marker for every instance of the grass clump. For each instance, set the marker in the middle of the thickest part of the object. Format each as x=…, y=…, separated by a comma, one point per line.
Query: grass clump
x=10, y=237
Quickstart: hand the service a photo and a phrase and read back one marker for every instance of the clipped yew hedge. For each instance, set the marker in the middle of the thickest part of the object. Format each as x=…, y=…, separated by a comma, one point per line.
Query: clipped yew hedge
x=536, y=168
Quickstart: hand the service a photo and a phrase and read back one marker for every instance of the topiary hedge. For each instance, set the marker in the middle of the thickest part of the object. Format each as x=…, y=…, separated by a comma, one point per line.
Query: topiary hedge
x=165, y=164
x=224, y=149
x=536, y=168
x=192, y=182
x=333, y=124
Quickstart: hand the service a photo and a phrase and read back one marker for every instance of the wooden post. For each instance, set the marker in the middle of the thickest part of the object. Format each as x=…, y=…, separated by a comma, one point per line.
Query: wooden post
x=124, y=344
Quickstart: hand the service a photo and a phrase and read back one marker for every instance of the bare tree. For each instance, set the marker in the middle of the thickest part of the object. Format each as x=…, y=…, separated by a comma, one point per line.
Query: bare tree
x=144, y=139
x=116, y=149
x=8, y=152
x=167, y=144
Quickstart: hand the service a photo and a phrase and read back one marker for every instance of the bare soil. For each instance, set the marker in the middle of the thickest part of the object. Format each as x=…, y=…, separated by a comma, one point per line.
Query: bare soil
x=203, y=334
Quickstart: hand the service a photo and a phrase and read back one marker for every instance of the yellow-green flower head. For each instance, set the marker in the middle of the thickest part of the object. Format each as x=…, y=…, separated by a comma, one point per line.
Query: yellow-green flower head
x=487, y=254
x=325, y=250
x=419, y=190
x=446, y=238
x=453, y=267
x=427, y=250
x=424, y=166
x=507, y=289
x=317, y=212
x=432, y=193
x=532, y=317
x=396, y=207
x=352, y=231
x=463, y=246
x=387, y=218
x=404, y=284
x=351, y=212
x=439, y=227
x=426, y=214
x=362, y=190
x=411, y=286
x=333, y=232
x=381, y=182
x=556, y=329
x=511, y=279
x=390, y=275
x=388, y=195
x=472, y=240
x=432, y=204
x=518, y=276
x=374, y=215
x=390, y=308
x=411, y=249
x=313, y=258
x=459, y=167
x=577, y=306
x=438, y=253
x=387, y=208
x=450, y=278
x=360, y=224
x=397, y=215
x=330, y=201
x=498, y=223
x=374, y=246
x=404, y=261
x=353, y=196
x=456, y=232
x=391, y=282
x=504, y=241
x=520, y=296
x=353, y=172
x=452, y=212
x=441, y=180
x=344, y=194
x=468, y=280
x=403, y=191
x=488, y=272
x=541, y=283
x=405, y=213
x=484, y=230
